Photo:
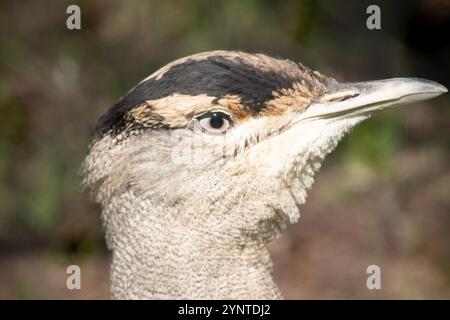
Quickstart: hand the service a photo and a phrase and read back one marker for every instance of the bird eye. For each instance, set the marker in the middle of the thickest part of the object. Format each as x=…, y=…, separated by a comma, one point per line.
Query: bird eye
x=214, y=122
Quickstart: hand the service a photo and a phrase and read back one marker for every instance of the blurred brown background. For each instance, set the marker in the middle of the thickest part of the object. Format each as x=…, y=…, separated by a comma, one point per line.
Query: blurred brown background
x=382, y=198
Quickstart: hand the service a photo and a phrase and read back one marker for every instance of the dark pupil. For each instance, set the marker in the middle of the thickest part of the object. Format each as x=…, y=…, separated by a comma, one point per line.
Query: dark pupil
x=216, y=121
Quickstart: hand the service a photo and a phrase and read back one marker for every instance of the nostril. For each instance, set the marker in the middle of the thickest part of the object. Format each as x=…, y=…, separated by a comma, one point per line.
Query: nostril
x=339, y=96
x=348, y=97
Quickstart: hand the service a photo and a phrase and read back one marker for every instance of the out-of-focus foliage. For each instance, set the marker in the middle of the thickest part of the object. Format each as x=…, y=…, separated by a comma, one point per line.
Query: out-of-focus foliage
x=55, y=83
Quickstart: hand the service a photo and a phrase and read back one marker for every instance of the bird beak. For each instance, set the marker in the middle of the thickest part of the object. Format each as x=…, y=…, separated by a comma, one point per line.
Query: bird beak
x=364, y=98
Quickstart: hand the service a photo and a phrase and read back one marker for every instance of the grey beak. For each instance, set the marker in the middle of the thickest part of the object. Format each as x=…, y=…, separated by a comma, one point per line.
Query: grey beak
x=355, y=98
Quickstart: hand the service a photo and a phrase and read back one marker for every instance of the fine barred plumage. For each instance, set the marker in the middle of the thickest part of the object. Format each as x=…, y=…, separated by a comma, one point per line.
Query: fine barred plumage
x=205, y=161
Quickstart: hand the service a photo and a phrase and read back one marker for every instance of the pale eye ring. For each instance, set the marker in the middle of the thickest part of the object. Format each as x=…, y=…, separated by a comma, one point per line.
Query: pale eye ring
x=216, y=122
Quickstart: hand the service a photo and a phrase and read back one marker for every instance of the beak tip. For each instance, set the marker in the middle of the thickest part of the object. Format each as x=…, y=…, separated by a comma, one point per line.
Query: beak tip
x=432, y=86
x=443, y=89
x=437, y=87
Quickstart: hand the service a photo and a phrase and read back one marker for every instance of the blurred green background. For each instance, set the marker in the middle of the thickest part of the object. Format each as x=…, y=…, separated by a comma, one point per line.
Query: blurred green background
x=382, y=198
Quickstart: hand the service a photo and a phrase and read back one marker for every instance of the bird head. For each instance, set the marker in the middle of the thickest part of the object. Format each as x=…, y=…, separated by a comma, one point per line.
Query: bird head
x=229, y=142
